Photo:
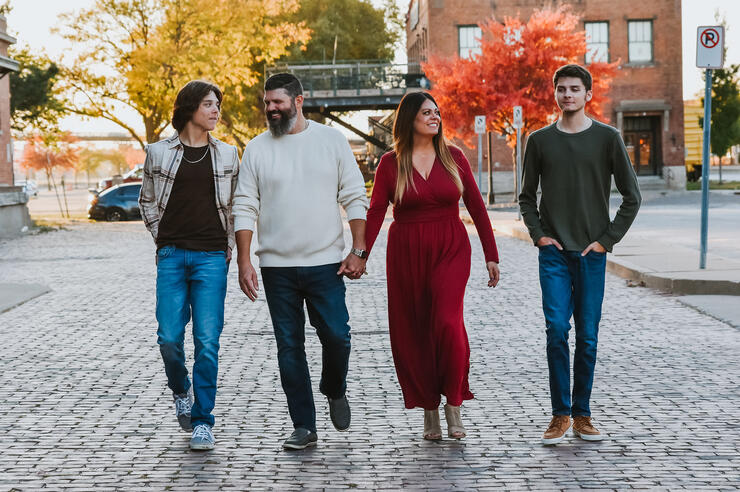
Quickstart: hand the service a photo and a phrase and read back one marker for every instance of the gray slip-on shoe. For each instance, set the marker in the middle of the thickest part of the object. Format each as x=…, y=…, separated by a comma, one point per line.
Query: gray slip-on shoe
x=301, y=439
x=340, y=413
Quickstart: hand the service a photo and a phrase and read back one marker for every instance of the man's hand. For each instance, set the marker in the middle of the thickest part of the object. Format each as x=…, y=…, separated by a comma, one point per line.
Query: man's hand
x=248, y=280
x=545, y=241
x=352, y=267
x=228, y=254
x=594, y=246
x=493, y=273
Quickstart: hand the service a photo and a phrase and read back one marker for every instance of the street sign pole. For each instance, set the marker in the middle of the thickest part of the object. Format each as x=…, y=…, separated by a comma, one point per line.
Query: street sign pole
x=705, y=169
x=518, y=169
x=491, y=196
x=518, y=122
x=710, y=54
x=480, y=129
x=480, y=163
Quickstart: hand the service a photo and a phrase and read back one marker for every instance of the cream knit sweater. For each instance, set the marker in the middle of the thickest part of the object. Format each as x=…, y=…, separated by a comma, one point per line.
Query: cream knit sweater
x=291, y=188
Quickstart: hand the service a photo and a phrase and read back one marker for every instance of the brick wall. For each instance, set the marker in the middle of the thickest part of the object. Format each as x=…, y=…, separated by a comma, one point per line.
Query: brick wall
x=662, y=79
x=6, y=161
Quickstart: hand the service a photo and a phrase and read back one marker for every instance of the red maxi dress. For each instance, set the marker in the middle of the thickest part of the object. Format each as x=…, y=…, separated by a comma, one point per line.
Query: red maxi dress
x=428, y=265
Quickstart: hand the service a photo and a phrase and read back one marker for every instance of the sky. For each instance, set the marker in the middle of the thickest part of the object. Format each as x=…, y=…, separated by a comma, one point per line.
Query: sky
x=30, y=22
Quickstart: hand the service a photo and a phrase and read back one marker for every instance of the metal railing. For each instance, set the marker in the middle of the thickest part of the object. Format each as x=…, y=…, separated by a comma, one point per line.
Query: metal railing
x=358, y=76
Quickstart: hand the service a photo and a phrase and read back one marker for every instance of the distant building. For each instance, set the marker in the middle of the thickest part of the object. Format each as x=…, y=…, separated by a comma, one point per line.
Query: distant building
x=13, y=210
x=646, y=97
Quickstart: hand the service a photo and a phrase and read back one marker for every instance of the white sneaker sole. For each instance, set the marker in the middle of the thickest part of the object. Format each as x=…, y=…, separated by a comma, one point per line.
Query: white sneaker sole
x=202, y=447
x=553, y=441
x=588, y=437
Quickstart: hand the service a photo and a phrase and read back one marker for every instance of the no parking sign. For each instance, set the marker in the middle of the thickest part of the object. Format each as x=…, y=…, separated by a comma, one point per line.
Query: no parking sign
x=710, y=46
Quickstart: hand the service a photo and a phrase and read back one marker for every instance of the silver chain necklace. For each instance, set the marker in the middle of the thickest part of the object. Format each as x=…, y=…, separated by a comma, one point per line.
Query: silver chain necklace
x=195, y=162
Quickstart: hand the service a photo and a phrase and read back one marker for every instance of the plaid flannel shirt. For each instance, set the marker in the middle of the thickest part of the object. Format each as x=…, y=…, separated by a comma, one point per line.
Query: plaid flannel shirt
x=160, y=168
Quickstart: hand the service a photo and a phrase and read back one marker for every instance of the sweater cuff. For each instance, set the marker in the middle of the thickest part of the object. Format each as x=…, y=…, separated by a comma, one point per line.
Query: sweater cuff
x=607, y=242
x=243, y=223
x=356, y=212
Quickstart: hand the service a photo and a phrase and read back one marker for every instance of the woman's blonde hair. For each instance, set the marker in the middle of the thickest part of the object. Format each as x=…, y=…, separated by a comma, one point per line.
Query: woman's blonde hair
x=403, y=143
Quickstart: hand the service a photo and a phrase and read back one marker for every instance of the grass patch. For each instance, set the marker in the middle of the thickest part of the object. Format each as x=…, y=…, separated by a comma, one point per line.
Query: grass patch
x=714, y=185
x=48, y=225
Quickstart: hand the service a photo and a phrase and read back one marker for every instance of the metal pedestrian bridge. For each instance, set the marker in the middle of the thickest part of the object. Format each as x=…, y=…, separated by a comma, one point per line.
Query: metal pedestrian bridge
x=353, y=85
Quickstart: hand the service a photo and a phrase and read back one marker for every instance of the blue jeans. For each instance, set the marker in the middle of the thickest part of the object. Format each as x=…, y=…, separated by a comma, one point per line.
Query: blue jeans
x=572, y=285
x=286, y=289
x=191, y=283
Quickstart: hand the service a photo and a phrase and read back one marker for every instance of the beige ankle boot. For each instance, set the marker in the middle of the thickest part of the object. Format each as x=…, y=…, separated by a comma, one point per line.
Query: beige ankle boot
x=432, y=427
x=455, y=427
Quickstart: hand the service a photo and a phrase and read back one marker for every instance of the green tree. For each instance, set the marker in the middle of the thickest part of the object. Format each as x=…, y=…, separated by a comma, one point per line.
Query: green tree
x=34, y=95
x=359, y=30
x=90, y=160
x=138, y=53
x=725, y=110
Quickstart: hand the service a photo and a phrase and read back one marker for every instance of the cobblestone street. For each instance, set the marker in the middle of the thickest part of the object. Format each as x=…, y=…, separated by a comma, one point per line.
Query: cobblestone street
x=84, y=403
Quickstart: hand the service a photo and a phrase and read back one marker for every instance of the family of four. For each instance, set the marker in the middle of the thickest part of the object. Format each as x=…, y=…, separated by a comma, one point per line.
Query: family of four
x=199, y=201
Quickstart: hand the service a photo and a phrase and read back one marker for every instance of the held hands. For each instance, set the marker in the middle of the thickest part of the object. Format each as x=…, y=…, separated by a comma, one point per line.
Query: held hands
x=493, y=273
x=353, y=267
x=594, y=246
x=248, y=279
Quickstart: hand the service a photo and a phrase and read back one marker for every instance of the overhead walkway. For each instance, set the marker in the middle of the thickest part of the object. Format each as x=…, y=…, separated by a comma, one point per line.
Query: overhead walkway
x=353, y=85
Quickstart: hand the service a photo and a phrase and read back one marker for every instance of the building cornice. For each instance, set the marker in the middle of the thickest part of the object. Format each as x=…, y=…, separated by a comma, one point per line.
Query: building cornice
x=8, y=65
x=7, y=38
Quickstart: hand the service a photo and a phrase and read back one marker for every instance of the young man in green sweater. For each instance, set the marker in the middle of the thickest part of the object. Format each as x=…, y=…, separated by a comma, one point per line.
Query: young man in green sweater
x=573, y=161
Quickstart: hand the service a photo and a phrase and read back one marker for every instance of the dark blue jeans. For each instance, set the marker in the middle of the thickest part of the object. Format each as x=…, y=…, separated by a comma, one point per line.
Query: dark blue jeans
x=286, y=289
x=572, y=286
x=191, y=283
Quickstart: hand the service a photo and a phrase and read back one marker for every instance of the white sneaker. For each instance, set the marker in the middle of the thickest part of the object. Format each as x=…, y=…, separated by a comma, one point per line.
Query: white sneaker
x=202, y=437
x=183, y=405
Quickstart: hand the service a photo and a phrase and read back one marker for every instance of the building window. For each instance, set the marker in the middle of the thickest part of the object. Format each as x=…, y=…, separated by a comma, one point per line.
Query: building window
x=597, y=42
x=468, y=41
x=640, y=41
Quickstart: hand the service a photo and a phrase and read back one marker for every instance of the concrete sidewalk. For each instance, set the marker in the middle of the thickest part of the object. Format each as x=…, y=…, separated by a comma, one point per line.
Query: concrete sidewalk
x=661, y=266
x=12, y=295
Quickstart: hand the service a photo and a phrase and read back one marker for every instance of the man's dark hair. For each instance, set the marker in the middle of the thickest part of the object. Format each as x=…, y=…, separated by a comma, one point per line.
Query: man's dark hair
x=189, y=99
x=286, y=81
x=573, y=70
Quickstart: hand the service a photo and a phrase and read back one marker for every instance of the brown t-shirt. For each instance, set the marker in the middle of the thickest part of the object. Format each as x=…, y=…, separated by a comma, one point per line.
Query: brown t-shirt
x=191, y=219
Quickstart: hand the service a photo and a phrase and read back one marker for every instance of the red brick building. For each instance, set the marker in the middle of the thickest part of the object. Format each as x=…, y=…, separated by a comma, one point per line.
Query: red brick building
x=13, y=212
x=647, y=95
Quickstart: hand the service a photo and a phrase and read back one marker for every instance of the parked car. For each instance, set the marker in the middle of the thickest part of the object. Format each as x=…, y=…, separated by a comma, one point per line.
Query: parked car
x=133, y=176
x=30, y=188
x=120, y=202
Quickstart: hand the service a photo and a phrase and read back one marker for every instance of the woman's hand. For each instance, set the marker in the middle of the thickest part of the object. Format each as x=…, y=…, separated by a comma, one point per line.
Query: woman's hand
x=493, y=273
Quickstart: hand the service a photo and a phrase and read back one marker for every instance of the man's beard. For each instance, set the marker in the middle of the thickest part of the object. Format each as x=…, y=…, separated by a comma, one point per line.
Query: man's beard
x=285, y=124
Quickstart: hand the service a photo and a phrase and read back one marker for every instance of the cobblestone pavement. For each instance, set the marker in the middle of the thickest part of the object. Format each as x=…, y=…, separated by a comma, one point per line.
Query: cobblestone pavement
x=83, y=401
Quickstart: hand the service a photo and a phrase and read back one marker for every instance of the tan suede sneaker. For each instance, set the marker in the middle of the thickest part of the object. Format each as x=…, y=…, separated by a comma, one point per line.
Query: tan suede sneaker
x=582, y=428
x=555, y=432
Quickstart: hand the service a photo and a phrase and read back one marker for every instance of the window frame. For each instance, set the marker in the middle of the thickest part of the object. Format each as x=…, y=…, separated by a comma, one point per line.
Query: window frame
x=649, y=22
x=470, y=49
x=607, y=43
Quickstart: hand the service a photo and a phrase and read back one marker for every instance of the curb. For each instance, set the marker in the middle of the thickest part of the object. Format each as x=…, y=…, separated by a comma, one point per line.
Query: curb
x=678, y=286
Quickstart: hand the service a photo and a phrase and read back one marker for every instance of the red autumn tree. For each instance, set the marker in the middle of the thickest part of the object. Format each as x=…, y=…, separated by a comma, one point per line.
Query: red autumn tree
x=515, y=68
x=47, y=152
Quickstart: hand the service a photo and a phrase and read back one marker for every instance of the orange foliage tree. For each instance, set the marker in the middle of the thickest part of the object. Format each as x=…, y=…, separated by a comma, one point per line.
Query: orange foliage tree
x=47, y=152
x=515, y=68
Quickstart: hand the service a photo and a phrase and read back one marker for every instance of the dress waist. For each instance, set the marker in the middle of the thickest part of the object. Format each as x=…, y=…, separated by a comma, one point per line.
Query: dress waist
x=426, y=215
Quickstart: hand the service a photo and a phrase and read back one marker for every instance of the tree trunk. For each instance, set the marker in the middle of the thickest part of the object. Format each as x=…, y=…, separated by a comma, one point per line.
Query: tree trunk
x=50, y=178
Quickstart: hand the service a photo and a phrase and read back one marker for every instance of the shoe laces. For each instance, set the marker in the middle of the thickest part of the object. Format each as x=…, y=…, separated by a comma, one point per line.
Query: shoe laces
x=202, y=431
x=556, y=422
x=182, y=406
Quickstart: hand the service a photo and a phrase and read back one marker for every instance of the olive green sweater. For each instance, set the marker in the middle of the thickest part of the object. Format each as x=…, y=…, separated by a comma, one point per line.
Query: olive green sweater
x=574, y=171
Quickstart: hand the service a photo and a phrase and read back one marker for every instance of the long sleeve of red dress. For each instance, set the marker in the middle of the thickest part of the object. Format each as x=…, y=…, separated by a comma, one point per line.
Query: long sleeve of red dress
x=384, y=187
x=476, y=207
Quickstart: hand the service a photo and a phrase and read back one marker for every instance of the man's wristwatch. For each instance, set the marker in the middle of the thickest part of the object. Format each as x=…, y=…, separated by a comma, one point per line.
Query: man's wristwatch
x=359, y=252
